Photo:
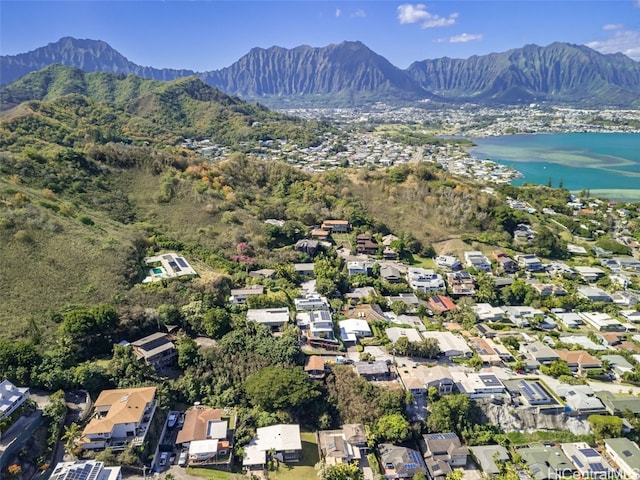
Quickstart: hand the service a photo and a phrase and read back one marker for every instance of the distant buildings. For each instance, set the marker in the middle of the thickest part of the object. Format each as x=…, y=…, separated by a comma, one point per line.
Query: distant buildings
x=168, y=265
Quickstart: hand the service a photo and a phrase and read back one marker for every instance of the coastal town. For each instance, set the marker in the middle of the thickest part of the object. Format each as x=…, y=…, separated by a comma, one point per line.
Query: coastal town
x=546, y=350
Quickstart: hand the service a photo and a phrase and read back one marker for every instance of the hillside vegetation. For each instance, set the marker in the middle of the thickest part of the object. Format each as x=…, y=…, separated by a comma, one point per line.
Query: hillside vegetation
x=83, y=197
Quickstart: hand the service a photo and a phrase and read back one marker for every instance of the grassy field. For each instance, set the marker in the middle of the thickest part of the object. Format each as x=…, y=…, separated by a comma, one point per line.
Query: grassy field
x=209, y=473
x=305, y=469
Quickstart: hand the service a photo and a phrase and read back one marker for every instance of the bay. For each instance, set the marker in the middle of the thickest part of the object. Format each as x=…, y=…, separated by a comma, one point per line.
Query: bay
x=606, y=164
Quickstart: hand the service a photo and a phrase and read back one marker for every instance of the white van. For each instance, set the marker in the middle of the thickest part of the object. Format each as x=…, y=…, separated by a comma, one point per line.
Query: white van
x=182, y=461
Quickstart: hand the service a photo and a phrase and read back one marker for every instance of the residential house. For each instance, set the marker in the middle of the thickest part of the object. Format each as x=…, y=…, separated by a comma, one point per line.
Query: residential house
x=479, y=385
x=282, y=440
x=617, y=405
x=156, y=350
x=320, y=234
x=360, y=293
x=594, y=294
x=424, y=280
x=274, y=318
x=546, y=462
x=419, y=378
x=411, y=320
x=314, y=367
x=390, y=274
x=602, y=322
x=345, y=445
x=478, y=261
x=539, y=352
x=168, y=265
x=356, y=267
x=548, y=289
x=529, y=262
x=579, y=361
x=11, y=398
x=521, y=315
x=489, y=456
x=370, y=313
x=353, y=329
x=395, y=333
x=528, y=392
x=485, y=331
x=121, y=418
x=366, y=245
x=610, y=339
x=570, y=320
x=205, y=435
x=336, y=226
x=239, y=295
x=485, y=312
x=485, y=351
x=448, y=262
x=85, y=470
x=451, y=345
x=442, y=304
x=632, y=316
x=445, y=447
x=589, y=274
x=316, y=324
x=304, y=270
x=409, y=299
x=400, y=462
x=505, y=262
x=389, y=253
x=619, y=364
x=373, y=371
x=562, y=270
x=581, y=399
x=625, y=454
x=305, y=245
x=625, y=263
x=310, y=303
x=461, y=284
x=262, y=273
x=627, y=299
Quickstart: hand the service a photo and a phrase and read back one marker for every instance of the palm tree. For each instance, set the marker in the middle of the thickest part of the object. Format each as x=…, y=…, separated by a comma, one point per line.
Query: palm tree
x=71, y=437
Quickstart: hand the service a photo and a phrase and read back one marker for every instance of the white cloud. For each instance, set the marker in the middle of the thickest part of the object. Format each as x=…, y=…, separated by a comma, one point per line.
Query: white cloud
x=338, y=12
x=359, y=13
x=462, y=38
x=613, y=26
x=418, y=13
x=465, y=37
x=624, y=41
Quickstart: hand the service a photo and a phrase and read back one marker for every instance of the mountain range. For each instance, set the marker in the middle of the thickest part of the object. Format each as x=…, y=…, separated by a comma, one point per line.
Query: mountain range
x=349, y=73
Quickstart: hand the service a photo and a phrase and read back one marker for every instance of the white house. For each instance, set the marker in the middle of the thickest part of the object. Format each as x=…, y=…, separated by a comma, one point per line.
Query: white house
x=424, y=280
x=85, y=470
x=450, y=345
x=352, y=329
x=478, y=261
x=11, y=398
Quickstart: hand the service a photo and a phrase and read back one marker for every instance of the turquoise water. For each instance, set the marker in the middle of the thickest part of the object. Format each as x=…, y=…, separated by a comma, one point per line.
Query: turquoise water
x=607, y=164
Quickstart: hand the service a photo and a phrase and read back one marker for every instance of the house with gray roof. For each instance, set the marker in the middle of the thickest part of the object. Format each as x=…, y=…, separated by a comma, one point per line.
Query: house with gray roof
x=400, y=462
x=488, y=457
x=625, y=454
x=546, y=462
x=539, y=352
x=588, y=461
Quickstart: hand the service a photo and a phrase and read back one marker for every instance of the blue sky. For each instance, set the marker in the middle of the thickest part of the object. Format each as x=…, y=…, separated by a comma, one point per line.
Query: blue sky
x=208, y=35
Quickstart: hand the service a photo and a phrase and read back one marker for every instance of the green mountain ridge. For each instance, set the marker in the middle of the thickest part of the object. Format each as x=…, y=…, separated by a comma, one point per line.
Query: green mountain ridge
x=350, y=74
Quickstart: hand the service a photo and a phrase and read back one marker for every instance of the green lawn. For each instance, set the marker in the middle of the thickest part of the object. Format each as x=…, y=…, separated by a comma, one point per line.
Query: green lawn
x=209, y=473
x=303, y=470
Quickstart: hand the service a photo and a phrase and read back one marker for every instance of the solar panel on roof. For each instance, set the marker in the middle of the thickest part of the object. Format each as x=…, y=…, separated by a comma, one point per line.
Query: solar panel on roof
x=627, y=453
x=589, y=452
x=181, y=262
x=598, y=467
x=410, y=466
x=415, y=456
x=577, y=461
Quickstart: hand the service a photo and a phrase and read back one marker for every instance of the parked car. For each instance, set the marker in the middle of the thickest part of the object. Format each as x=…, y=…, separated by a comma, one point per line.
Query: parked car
x=171, y=421
x=172, y=458
x=163, y=459
x=182, y=461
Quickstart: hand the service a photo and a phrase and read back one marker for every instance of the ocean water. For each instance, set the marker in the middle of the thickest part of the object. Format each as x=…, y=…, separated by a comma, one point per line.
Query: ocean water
x=606, y=164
